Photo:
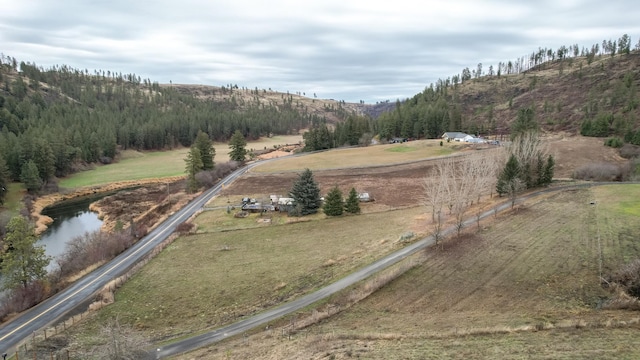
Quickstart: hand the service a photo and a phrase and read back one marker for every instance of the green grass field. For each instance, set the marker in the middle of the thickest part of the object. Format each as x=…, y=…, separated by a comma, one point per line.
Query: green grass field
x=136, y=165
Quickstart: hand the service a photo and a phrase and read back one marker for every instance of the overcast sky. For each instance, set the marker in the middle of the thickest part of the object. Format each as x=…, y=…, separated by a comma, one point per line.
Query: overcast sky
x=348, y=50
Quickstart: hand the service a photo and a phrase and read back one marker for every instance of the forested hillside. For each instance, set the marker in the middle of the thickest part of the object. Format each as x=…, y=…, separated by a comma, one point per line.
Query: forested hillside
x=592, y=91
x=53, y=121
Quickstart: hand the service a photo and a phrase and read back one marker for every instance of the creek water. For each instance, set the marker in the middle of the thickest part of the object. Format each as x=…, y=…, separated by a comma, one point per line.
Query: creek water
x=71, y=219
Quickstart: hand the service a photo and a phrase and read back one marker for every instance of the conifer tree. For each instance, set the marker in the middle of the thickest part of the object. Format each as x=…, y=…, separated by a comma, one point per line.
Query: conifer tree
x=194, y=165
x=30, y=177
x=509, y=175
x=237, y=145
x=352, y=205
x=23, y=262
x=333, y=205
x=306, y=194
x=207, y=152
x=547, y=173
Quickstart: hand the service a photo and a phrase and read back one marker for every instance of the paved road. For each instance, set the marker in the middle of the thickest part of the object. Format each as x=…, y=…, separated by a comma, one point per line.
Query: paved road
x=242, y=326
x=56, y=307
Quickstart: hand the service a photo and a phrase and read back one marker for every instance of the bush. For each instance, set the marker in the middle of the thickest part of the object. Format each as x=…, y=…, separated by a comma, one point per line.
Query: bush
x=84, y=251
x=629, y=151
x=23, y=298
x=600, y=172
x=628, y=277
x=614, y=142
x=185, y=228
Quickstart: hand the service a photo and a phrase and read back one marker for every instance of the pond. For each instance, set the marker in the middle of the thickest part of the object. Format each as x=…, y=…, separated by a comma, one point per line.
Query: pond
x=71, y=218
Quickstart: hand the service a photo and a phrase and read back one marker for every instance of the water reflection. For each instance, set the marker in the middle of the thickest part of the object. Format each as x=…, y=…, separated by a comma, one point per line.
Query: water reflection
x=70, y=220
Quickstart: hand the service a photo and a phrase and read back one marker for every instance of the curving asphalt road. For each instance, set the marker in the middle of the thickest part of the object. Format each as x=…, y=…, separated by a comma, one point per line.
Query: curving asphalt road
x=242, y=326
x=54, y=308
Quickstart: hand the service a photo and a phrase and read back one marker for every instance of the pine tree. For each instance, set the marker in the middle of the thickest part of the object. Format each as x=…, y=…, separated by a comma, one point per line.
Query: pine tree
x=207, y=152
x=23, y=262
x=352, y=205
x=547, y=173
x=306, y=194
x=510, y=173
x=333, y=203
x=30, y=177
x=237, y=145
x=193, y=166
x=5, y=177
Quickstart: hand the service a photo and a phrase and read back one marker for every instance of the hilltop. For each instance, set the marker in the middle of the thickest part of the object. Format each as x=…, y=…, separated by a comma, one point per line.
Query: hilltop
x=560, y=94
x=333, y=110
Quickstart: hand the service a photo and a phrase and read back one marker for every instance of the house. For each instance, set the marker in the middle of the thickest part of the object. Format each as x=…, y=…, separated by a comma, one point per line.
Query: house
x=454, y=136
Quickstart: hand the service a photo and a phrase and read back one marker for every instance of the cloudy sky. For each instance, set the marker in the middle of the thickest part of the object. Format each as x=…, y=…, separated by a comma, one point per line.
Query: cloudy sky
x=348, y=50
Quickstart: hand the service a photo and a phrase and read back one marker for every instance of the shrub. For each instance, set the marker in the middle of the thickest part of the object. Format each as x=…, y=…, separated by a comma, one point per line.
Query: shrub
x=628, y=277
x=23, y=298
x=185, y=228
x=629, y=151
x=614, y=142
x=599, y=172
x=84, y=251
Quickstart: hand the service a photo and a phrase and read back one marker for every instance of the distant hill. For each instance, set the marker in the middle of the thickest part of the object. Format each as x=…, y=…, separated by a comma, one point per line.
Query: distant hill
x=563, y=95
x=333, y=110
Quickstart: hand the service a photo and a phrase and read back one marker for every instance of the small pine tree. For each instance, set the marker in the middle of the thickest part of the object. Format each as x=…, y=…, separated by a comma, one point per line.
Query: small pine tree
x=352, y=205
x=333, y=203
x=510, y=173
x=547, y=176
x=193, y=166
x=237, y=145
x=306, y=194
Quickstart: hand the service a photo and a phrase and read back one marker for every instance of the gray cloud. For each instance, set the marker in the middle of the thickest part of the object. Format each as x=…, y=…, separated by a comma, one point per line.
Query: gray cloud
x=351, y=50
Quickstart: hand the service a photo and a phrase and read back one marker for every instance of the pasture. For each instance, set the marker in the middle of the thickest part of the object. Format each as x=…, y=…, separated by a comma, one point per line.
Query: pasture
x=136, y=165
x=375, y=155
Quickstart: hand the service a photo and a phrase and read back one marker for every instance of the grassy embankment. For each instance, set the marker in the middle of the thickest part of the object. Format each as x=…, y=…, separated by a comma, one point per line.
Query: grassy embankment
x=490, y=293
